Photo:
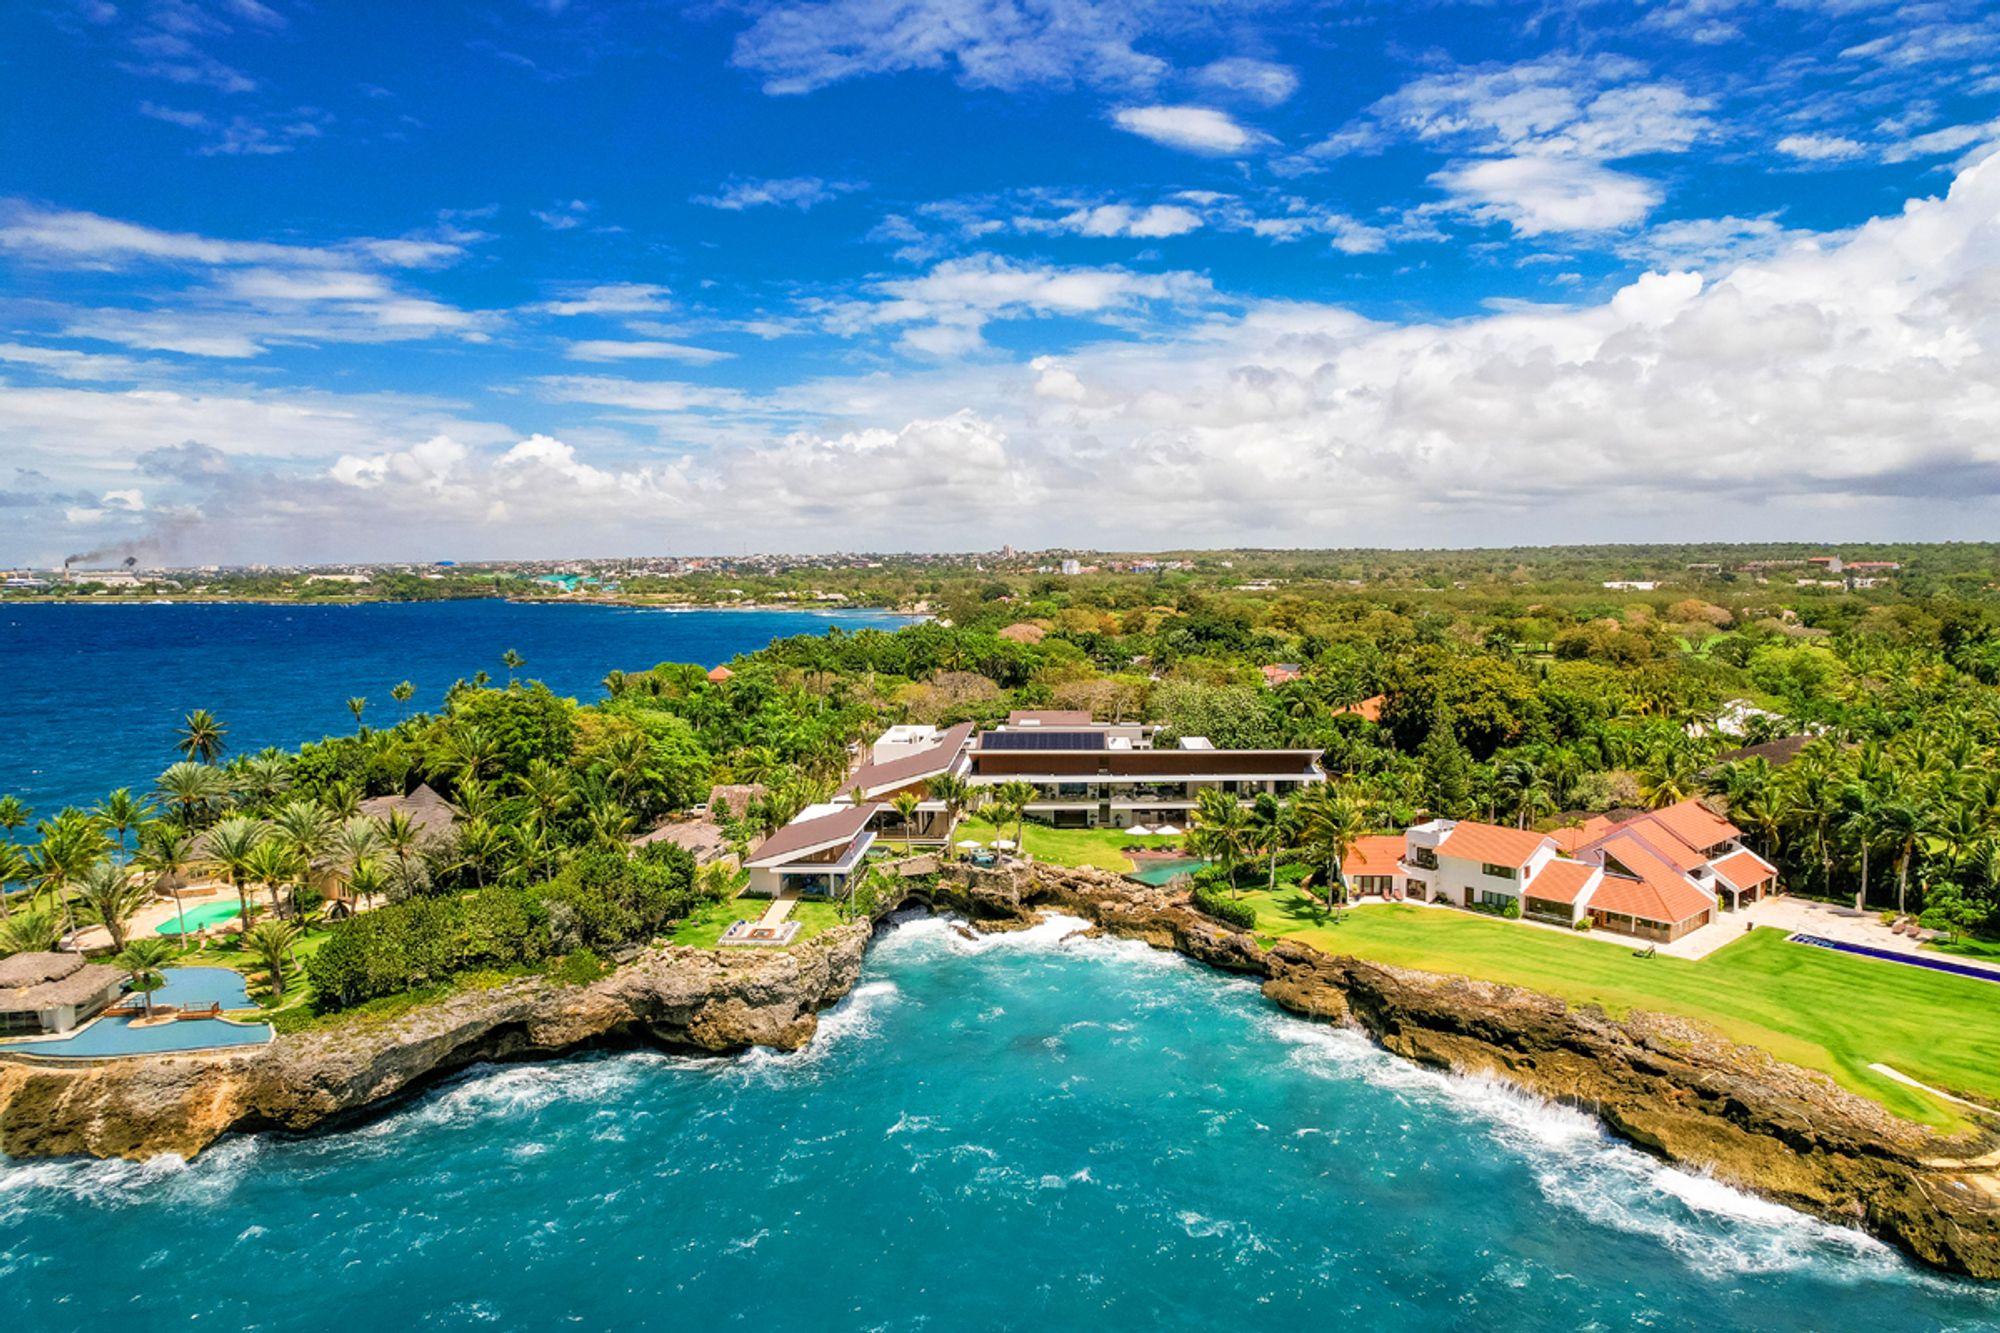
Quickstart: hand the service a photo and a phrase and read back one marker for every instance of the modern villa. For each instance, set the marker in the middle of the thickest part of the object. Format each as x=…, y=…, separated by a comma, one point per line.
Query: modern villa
x=1655, y=875
x=1086, y=773
x=814, y=855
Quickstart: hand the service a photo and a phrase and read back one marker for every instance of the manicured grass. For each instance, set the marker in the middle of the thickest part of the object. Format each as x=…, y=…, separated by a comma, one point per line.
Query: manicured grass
x=1968, y=947
x=704, y=929
x=1098, y=847
x=1811, y=1007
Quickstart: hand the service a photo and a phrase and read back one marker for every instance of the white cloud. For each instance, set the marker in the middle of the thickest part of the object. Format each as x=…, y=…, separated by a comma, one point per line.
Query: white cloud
x=798, y=47
x=1261, y=81
x=1821, y=147
x=613, y=349
x=562, y=216
x=800, y=192
x=609, y=298
x=1950, y=139
x=1151, y=222
x=1536, y=195
x=1196, y=129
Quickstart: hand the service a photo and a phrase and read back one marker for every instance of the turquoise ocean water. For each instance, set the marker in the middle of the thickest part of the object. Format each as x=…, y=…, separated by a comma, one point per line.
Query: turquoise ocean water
x=95, y=692
x=1017, y=1133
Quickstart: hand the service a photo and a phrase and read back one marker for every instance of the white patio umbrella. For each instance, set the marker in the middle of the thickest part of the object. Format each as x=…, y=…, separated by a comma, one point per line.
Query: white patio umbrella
x=1005, y=844
x=1167, y=831
x=1140, y=831
x=968, y=845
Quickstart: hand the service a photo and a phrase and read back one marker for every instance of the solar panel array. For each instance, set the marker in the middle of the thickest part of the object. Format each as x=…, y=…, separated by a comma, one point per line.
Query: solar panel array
x=1041, y=739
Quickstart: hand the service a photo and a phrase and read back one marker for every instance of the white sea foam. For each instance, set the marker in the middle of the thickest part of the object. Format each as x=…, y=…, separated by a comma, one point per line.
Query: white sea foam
x=1576, y=1164
x=115, y=1183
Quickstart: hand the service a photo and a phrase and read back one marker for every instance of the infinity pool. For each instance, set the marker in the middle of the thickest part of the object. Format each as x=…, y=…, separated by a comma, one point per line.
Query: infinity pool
x=187, y=987
x=1157, y=873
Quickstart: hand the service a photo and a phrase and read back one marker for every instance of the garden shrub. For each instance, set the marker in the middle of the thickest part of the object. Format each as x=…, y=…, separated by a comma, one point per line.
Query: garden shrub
x=1216, y=903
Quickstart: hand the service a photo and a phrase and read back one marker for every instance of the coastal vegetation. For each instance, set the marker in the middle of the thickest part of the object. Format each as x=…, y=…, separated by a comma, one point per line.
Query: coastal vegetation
x=1851, y=730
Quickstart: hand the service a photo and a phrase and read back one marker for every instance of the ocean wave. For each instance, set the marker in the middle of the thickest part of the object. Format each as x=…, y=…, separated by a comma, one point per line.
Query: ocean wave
x=1713, y=1227
x=115, y=1183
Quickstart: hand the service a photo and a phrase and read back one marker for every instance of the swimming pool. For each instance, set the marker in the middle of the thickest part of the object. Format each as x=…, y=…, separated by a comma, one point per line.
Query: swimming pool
x=1912, y=960
x=1157, y=873
x=198, y=918
x=187, y=987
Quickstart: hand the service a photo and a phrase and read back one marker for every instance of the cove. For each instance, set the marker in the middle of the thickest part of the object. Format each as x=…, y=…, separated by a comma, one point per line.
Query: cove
x=1020, y=1131
x=99, y=690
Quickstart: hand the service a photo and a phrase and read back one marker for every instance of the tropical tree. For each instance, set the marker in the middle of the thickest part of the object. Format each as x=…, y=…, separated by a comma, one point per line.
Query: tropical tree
x=952, y=792
x=264, y=776
x=513, y=661
x=70, y=844
x=232, y=845
x=357, y=704
x=13, y=870
x=144, y=962
x=192, y=790
x=167, y=856
x=1220, y=831
x=272, y=863
x=1268, y=829
x=270, y=942
x=905, y=804
x=121, y=812
x=1330, y=823
x=478, y=848
x=306, y=831
x=1904, y=823
x=33, y=929
x=108, y=895
x=402, y=692
x=202, y=737
x=1011, y=801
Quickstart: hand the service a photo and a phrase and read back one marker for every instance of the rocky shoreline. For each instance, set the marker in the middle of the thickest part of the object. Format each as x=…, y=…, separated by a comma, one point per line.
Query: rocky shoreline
x=1667, y=1085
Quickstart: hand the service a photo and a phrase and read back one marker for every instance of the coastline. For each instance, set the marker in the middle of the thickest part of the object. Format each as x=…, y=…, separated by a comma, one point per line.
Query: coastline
x=628, y=603
x=1660, y=1083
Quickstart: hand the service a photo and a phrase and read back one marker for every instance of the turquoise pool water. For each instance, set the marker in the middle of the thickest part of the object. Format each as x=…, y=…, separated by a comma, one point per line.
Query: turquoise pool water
x=186, y=987
x=1160, y=872
x=1007, y=1134
x=200, y=918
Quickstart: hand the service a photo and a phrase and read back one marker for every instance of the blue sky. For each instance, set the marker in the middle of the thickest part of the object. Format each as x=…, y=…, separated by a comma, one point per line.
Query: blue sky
x=284, y=281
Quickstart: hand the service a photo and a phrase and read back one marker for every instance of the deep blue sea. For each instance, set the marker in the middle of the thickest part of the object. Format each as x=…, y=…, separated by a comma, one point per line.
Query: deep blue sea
x=97, y=691
x=1017, y=1133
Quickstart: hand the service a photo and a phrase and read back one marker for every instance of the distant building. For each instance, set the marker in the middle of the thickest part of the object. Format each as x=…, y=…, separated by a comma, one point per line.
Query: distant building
x=53, y=992
x=816, y=854
x=720, y=674
x=1280, y=673
x=1631, y=585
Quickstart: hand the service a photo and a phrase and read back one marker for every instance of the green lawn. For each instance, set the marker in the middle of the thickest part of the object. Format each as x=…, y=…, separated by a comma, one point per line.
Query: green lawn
x=1969, y=947
x=1099, y=847
x=1811, y=1007
x=704, y=929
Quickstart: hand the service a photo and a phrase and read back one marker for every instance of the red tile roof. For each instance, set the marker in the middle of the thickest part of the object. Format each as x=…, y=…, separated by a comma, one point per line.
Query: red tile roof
x=1491, y=843
x=1374, y=854
x=1693, y=823
x=1560, y=881
x=1573, y=836
x=1744, y=869
x=1655, y=890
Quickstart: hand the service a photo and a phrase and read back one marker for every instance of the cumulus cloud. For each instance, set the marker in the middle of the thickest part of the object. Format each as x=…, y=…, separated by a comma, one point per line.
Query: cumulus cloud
x=1151, y=223
x=1548, y=194
x=800, y=192
x=1194, y=129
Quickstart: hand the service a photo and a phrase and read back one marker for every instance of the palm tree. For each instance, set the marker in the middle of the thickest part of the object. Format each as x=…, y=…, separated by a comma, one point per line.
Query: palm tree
x=271, y=943
x=366, y=879
x=70, y=844
x=1220, y=826
x=265, y=776
x=1904, y=823
x=356, y=704
x=1269, y=828
x=513, y=661
x=191, y=789
x=1332, y=824
x=144, y=961
x=955, y=794
x=202, y=737
x=273, y=864
x=1012, y=800
x=305, y=830
x=232, y=845
x=469, y=751
x=549, y=790
x=13, y=869
x=121, y=812
x=110, y=897
x=167, y=856
x=480, y=844
x=1863, y=824
x=905, y=804
x=402, y=692
x=13, y=815
x=33, y=929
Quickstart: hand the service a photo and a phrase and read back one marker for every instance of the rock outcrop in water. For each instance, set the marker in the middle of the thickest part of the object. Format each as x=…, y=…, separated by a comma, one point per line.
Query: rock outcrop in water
x=1666, y=1084
x=686, y=999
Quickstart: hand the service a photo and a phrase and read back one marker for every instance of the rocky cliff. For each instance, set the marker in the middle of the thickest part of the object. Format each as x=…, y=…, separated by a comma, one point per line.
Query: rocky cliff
x=684, y=998
x=1666, y=1084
